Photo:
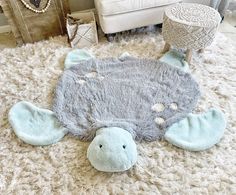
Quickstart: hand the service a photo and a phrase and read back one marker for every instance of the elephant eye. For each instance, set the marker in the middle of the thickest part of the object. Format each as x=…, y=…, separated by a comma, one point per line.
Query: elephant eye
x=100, y=145
x=124, y=146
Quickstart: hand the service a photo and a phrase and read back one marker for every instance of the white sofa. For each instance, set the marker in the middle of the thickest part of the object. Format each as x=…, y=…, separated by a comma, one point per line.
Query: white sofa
x=120, y=15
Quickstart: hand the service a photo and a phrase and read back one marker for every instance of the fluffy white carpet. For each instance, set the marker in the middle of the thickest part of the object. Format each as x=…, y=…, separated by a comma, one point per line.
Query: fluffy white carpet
x=31, y=72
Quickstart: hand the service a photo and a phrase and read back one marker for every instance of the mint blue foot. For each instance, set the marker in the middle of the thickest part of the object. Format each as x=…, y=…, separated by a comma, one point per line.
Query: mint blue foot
x=175, y=58
x=197, y=132
x=77, y=55
x=112, y=150
x=34, y=125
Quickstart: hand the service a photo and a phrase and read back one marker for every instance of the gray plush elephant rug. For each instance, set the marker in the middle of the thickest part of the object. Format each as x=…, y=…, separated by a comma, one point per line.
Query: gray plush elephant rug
x=119, y=100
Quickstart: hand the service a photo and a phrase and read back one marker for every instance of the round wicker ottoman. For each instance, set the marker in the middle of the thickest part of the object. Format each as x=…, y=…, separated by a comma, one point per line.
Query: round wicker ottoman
x=190, y=26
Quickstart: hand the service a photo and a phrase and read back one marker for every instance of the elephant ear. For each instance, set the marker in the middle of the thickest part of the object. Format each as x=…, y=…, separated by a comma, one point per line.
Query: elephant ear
x=35, y=126
x=36, y=3
x=197, y=132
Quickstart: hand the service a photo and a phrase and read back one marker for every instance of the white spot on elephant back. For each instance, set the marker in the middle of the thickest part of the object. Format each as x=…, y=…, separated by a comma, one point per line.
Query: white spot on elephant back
x=159, y=107
x=159, y=120
x=91, y=74
x=173, y=106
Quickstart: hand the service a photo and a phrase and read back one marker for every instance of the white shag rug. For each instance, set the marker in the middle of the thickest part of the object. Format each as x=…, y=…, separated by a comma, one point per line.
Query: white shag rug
x=30, y=73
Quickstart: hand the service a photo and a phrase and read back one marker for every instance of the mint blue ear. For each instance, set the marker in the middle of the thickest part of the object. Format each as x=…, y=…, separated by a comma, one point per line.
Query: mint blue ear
x=176, y=59
x=197, y=132
x=34, y=125
x=75, y=56
x=112, y=150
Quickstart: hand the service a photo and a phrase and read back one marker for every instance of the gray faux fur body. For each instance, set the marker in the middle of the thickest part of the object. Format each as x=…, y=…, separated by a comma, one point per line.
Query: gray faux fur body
x=111, y=92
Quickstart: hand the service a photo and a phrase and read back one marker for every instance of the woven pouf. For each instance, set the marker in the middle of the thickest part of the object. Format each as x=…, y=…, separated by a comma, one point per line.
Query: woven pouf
x=189, y=26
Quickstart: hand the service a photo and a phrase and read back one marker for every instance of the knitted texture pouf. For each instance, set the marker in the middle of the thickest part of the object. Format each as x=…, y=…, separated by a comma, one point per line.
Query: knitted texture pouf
x=190, y=26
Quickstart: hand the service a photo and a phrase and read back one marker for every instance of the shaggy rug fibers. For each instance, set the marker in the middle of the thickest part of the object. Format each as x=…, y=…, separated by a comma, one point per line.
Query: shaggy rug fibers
x=31, y=72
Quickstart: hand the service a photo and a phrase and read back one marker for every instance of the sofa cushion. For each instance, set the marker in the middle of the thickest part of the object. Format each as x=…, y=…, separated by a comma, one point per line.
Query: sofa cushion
x=112, y=7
